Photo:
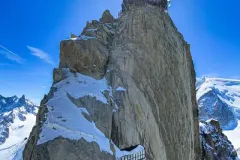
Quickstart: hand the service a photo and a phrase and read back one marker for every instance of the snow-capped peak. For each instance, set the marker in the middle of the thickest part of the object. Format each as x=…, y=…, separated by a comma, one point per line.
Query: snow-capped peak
x=10, y=103
x=17, y=117
x=228, y=89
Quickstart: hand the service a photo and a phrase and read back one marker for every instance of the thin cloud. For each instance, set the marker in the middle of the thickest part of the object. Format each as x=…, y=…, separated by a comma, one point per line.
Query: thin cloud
x=40, y=54
x=10, y=55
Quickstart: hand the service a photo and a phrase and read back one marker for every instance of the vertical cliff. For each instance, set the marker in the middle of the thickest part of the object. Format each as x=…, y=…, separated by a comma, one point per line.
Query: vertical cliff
x=121, y=84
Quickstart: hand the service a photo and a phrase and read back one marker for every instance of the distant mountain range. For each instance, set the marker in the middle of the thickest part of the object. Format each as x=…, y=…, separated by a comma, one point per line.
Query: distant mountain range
x=220, y=99
x=17, y=117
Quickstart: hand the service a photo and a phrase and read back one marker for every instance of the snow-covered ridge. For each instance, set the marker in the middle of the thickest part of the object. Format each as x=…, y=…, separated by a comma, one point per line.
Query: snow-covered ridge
x=17, y=117
x=69, y=122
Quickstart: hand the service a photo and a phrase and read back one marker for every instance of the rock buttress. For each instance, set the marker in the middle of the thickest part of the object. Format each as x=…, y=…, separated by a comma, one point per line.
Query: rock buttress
x=159, y=111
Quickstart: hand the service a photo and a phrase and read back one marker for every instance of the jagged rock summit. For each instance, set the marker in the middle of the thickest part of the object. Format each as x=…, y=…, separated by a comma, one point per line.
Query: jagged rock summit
x=17, y=117
x=107, y=17
x=122, y=86
x=215, y=145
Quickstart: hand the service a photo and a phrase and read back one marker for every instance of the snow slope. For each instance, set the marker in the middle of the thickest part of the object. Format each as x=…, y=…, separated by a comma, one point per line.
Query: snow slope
x=65, y=119
x=238, y=152
x=234, y=136
x=17, y=117
x=69, y=122
x=219, y=98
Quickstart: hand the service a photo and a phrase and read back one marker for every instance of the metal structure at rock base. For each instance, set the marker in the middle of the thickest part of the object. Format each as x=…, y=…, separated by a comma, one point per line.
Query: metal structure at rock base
x=136, y=156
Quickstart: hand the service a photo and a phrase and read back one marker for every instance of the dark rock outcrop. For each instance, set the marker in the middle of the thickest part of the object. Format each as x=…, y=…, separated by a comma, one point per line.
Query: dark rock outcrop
x=107, y=17
x=59, y=75
x=215, y=145
x=91, y=57
x=150, y=100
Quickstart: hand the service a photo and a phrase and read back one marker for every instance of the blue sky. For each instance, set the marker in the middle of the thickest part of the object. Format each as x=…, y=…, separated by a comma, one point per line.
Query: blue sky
x=30, y=33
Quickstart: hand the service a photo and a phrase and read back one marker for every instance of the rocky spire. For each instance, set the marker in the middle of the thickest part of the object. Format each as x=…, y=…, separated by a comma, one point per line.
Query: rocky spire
x=127, y=82
x=22, y=100
x=73, y=35
x=107, y=17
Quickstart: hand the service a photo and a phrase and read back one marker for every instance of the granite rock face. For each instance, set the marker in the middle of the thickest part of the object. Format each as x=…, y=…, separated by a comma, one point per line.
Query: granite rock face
x=127, y=4
x=143, y=72
x=148, y=51
x=215, y=144
x=62, y=149
x=90, y=52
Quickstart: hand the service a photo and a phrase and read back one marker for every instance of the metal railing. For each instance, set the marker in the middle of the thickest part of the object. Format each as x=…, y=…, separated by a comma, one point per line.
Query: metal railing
x=135, y=156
